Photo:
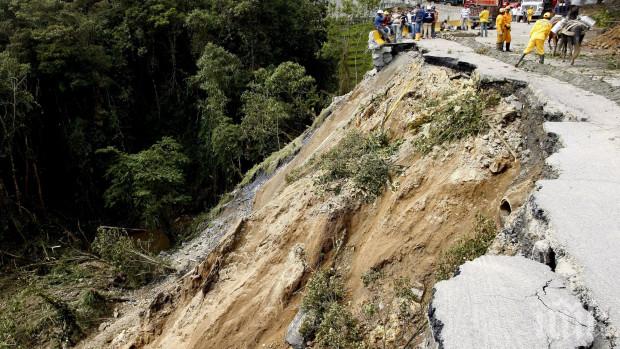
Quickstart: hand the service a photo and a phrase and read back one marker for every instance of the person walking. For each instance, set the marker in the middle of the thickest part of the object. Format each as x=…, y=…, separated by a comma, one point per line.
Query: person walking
x=530, y=14
x=429, y=18
x=484, y=22
x=538, y=36
x=506, y=31
x=465, y=18
x=499, y=25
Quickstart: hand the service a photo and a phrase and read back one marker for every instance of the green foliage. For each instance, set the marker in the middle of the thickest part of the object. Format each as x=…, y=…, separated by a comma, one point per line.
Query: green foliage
x=370, y=277
x=322, y=291
x=605, y=18
x=263, y=124
x=125, y=74
x=93, y=303
x=128, y=256
x=347, y=46
x=339, y=329
x=279, y=103
x=56, y=305
x=150, y=182
x=467, y=249
x=454, y=116
x=364, y=160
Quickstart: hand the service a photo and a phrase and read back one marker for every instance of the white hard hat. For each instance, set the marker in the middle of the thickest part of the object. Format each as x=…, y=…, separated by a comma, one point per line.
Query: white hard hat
x=428, y=7
x=380, y=12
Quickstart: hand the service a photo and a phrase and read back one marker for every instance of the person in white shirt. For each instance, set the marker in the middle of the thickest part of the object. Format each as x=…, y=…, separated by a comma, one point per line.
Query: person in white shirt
x=397, y=26
x=465, y=19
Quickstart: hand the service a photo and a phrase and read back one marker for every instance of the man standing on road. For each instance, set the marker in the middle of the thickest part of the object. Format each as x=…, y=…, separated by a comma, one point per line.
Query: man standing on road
x=465, y=18
x=506, y=30
x=538, y=36
x=419, y=18
x=530, y=13
x=499, y=25
x=561, y=9
x=484, y=22
x=429, y=19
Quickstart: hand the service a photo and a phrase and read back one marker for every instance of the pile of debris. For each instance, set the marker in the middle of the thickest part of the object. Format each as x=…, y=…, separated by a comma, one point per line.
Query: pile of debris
x=609, y=40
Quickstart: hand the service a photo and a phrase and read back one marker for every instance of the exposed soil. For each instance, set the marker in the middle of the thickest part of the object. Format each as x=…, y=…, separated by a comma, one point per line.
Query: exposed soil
x=249, y=288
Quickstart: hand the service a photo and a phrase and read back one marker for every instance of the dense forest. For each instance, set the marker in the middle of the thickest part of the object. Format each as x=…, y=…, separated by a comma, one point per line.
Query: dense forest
x=136, y=113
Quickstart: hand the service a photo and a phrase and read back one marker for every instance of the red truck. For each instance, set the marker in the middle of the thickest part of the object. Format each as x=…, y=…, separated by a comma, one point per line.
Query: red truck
x=476, y=6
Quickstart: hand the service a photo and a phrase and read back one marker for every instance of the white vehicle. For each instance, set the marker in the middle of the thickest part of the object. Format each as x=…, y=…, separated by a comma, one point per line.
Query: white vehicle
x=538, y=6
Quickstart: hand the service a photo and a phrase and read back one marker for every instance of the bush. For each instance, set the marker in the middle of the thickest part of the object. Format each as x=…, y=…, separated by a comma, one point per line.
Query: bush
x=324, y=289
x=339, y=329
x=454, y=116
x=128, y=256
x=150, y=182
x=467, y=249
x=363, y=160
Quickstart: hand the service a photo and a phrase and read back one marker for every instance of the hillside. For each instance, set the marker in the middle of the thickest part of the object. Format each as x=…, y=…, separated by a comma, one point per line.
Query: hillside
x=429, y=197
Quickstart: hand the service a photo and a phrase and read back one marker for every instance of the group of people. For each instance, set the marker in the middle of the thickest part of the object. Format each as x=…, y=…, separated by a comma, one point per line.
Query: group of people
x=420, y=20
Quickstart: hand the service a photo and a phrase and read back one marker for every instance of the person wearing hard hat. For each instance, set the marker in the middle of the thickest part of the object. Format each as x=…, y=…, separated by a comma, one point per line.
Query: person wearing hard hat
x=378, y=23
x=530, y=14
x=499, y=25
x=538, y=36
x=506, y=31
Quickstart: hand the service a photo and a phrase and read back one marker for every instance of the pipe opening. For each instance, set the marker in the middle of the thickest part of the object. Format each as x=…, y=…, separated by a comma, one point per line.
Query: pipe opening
x=504, y=208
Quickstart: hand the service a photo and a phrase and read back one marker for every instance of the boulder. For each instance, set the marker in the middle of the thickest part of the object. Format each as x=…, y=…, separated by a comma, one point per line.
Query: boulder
x=293, y=337
x=508, y=302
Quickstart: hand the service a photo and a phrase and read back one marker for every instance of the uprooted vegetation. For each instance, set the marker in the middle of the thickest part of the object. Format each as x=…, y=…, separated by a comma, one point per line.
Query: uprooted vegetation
x=452, y=116
x=131, y=258
x=55, y=307
x=55, y=303
x=359, y=160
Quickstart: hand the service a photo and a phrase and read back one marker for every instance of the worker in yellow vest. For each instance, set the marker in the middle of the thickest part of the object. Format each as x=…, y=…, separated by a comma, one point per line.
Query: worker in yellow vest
x=506, y=31
x=484, y=22
x=530, y=14
x=538, y=36
x=499, y=25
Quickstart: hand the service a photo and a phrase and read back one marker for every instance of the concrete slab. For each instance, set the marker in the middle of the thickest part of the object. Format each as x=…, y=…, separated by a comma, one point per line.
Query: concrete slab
x=503, y=302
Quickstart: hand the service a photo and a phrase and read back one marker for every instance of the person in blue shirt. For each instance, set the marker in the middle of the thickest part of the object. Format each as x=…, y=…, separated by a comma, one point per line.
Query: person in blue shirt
x=419, y=18
x=379, y=25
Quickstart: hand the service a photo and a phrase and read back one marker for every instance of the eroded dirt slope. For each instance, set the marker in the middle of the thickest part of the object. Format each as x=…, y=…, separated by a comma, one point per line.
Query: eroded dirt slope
x=246, y=292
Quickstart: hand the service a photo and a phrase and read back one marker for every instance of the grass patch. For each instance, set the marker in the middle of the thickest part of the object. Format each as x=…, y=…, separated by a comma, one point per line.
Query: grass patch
x=452, y=117
x=467, y=249
x=358, y=159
